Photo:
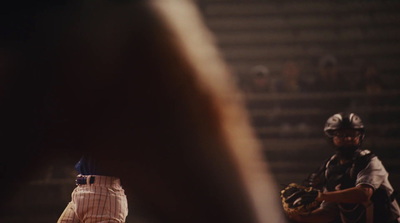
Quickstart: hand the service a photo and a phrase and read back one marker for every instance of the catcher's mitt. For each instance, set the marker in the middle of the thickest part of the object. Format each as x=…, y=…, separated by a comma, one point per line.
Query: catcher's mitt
x=297, y=199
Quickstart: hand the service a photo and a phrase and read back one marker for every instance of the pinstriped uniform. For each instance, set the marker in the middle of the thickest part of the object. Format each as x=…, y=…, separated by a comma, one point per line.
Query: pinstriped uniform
x=102, y=201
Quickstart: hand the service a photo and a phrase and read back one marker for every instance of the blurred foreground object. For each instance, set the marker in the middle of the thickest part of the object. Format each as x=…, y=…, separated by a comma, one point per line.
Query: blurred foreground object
x=142, y=87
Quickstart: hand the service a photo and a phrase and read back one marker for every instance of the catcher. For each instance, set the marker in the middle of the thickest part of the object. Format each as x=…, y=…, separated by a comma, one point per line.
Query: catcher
x=350, y=187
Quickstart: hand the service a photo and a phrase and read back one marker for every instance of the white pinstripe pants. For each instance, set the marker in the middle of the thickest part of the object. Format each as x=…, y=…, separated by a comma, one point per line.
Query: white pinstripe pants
x=100, y=202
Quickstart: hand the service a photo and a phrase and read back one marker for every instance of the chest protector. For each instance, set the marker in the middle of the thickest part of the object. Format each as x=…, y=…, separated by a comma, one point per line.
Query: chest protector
x=342, y=176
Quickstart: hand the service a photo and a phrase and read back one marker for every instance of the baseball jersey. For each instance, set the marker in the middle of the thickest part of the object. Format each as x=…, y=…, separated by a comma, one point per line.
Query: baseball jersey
x=373, y=174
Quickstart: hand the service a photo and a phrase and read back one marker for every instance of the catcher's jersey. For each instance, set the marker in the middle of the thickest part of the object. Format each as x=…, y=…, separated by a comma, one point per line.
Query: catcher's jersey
x=369, y=171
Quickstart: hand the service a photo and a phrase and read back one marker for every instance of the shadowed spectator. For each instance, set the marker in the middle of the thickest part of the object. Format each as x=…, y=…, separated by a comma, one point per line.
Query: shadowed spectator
x=257, y=80
x=290, y=79
x=328, y=78
x=370, y=80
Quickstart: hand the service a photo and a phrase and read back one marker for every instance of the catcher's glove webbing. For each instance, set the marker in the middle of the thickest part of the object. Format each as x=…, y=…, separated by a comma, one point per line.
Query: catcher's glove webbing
x=297, y=199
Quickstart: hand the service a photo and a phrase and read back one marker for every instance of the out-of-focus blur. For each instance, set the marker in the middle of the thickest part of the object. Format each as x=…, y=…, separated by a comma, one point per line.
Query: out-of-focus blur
x=296, y=62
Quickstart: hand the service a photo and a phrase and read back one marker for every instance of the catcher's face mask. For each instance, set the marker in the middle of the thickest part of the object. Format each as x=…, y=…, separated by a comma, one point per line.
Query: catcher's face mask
x=346, y=138
x=346, y=142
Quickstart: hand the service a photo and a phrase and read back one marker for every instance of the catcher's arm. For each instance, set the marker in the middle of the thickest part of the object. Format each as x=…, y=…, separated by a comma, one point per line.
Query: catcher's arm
x=359, y=194
x=300, y=203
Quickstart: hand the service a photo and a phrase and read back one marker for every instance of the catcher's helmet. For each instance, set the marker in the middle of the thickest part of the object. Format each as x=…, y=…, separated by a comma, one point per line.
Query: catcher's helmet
x=343, y=120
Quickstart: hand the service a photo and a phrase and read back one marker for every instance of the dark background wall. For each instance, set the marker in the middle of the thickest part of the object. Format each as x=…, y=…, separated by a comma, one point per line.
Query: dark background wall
x=353, y=35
